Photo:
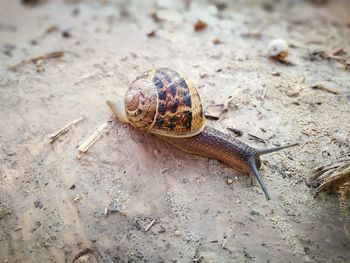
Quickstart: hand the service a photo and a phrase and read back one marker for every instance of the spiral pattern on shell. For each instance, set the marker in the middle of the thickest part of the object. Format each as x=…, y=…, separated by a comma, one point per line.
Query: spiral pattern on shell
x=163, y=102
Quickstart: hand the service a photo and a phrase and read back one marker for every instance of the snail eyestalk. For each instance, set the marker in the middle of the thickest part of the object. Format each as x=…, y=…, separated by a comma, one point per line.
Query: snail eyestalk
x=275, y=149
x=254, y=170
x=118, y=110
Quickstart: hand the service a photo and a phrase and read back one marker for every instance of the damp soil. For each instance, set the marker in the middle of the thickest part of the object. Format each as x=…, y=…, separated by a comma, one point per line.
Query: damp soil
x=56, y=208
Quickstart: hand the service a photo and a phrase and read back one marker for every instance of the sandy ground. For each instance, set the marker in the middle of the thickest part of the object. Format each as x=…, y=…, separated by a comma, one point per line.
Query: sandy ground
x=53, y=206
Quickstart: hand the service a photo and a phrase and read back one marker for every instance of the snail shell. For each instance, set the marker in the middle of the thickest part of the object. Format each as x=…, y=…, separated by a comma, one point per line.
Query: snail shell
x=162, y=102
x=278, y=48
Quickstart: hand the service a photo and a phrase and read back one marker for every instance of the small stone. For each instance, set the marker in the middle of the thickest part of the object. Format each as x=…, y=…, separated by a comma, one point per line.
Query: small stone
x=66, y=34
x=177, y=233
x=38, y=204
x=229, y=181
x=151, y=33
x=214, y=111
x=307, y=250
x=200, y=25
x=113, y=206
x=203, y=75
x=217, y=41
x=86, y=258
x=340, y=138
x=162, y=229
x=36, y=225
x=77, y=198
x=254, y=213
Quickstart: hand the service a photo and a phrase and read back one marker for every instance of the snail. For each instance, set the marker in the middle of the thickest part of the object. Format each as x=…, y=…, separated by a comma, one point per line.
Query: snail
x=278, y=49
x=163, y=103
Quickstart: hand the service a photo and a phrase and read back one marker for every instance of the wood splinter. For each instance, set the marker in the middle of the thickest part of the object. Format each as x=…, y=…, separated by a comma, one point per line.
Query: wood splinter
x=91, y=140
x=150, y=225
x=63, y=130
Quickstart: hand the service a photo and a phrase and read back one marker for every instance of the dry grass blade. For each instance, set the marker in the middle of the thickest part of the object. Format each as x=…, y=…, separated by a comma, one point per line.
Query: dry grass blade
x=55, y=54
x=324, y=172
x=331, y=176
x=345, y=206
x=336, y=177
x=63, y=130
x=227, y=102
x=335, y=180
x=265, y=93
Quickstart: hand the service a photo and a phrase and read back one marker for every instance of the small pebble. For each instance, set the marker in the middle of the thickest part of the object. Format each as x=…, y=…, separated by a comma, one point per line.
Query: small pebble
x=254, y=213
x=77, y=198
x=38, y=204
x=200, y=25
x=340, y=138
x=229, y=181
x=177, y=233
x=66, y=34
x=162, y=229
x=151, y=33
x=113, y=206
x=217, y=41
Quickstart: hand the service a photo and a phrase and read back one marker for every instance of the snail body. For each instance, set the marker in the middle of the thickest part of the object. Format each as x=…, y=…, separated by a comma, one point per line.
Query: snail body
x=163, y=103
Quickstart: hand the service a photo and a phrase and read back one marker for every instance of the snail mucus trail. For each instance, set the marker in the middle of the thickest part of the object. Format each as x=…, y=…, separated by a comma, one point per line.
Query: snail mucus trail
x=163, y=103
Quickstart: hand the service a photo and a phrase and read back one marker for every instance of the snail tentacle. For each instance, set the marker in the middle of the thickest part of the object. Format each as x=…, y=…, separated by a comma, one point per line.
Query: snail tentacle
x=254, y=170
x=275, y=149
x=118, y=109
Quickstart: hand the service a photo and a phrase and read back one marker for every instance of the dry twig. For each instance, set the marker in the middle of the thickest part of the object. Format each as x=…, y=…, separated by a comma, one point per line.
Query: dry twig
x=325, y=88
x=150, y=225
x=46, y=32
x=91, y=140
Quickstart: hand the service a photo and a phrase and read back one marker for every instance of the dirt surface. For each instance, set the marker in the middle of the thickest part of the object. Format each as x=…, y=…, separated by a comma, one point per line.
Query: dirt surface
x=52, y=206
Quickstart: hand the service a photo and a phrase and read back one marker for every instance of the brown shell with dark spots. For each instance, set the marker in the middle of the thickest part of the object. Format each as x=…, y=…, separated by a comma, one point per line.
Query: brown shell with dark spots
x=162, y=102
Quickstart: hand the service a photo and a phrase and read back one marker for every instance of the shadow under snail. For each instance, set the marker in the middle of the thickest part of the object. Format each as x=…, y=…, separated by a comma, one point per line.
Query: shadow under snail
x=163, y=103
